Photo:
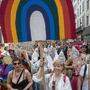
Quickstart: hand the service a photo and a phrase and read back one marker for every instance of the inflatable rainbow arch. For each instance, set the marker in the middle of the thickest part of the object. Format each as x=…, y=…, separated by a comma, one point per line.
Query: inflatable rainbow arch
x=21, y=20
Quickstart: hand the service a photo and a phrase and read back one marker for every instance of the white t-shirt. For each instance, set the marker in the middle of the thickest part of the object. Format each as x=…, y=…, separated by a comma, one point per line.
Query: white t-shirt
x=85, y=82
x=60, y=84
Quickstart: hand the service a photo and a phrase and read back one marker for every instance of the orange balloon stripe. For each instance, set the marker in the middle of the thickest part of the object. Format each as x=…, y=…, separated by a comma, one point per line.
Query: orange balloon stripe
x=13, y=20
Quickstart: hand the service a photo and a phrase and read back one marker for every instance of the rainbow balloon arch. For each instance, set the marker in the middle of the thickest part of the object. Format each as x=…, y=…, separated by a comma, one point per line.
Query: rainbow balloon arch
x=26, y=20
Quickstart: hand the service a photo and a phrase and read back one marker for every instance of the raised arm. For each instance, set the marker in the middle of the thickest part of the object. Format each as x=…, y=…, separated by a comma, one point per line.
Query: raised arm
x=29, y=78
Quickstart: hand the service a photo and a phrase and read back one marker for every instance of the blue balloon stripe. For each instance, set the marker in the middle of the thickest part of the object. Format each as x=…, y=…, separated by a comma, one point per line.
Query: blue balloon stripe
x=19, y=22
x=34, y=8
x=24, y=17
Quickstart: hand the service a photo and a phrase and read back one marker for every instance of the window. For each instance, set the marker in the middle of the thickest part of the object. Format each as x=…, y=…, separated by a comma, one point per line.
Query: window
x=74, y=0
x=87, y=4
x=78, y=1
x=80, y=22
x=83, y=6
x=83, y=20
x=77, y=23
x=78, y=12
x=87, y=20
x=80, y=9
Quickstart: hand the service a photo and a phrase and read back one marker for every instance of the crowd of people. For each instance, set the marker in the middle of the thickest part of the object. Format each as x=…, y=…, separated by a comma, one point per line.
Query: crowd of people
x=45, y=65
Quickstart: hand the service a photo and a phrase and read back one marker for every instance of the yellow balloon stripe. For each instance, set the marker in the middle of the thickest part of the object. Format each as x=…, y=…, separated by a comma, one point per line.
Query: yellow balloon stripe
x=61, y=20
x=13, y=20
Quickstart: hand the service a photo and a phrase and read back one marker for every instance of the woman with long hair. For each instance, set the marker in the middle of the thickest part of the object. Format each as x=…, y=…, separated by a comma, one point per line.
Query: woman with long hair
x=19, y=78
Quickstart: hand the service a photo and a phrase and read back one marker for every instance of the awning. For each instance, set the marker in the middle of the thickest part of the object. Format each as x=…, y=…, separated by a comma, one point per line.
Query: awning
x=86, y=31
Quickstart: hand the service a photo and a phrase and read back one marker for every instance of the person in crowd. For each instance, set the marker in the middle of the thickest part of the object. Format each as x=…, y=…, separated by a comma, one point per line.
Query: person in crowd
x=58, y=80
x=69, y=68
x=1, y=79
x=48, y=60
x=60, y=55
x=83, y=78
x=84, y=75
x=25, y=61
x=19, y=78
x=75, y=74
x=35, y=55
x=38, y=77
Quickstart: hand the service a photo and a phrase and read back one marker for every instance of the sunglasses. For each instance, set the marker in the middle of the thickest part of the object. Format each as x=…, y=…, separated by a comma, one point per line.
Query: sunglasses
x=16, y=63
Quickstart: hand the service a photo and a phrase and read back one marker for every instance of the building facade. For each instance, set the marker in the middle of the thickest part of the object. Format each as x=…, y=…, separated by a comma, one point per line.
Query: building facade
x=82, y=15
